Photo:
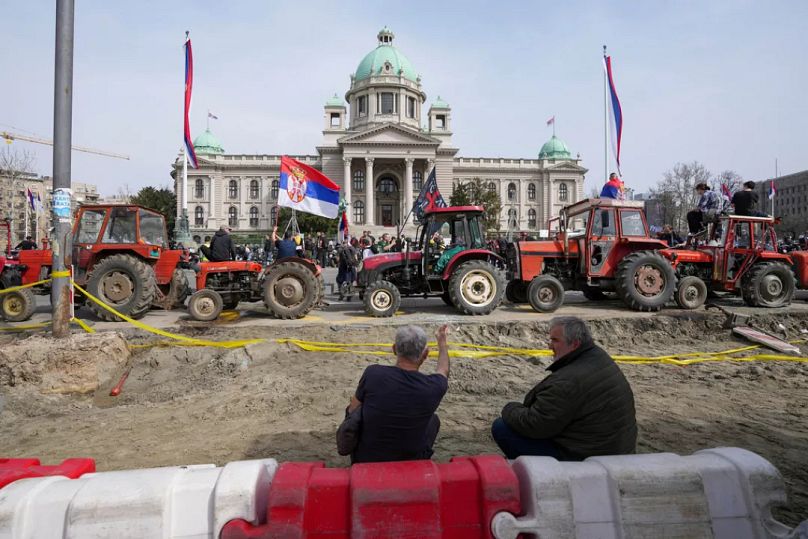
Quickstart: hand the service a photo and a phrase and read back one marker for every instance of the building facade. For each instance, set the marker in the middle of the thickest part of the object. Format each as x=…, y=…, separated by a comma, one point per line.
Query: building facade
x=790, y=201
x=379, y=144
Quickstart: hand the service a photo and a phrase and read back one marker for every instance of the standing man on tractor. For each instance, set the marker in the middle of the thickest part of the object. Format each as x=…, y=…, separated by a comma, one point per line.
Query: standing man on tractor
x=286, y=246
x=708, y=210
x=221, y=246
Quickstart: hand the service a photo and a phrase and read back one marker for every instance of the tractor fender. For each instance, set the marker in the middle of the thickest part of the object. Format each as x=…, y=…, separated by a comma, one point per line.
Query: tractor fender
x=471, y=254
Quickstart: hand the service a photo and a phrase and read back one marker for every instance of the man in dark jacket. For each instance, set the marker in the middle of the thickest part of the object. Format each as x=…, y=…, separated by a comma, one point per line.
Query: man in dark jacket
x=584, y=408
x=221, y=246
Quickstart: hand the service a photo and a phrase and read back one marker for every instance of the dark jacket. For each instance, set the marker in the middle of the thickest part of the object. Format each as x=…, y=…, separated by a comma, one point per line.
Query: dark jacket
x=585, y=406
x=221, y=247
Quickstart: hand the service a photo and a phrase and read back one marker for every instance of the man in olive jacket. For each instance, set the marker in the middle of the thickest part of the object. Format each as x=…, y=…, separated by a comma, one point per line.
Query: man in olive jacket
x=584, y=408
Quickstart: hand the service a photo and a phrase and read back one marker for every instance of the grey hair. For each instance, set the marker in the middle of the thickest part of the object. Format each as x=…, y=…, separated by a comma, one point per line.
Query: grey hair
x=575, y=329
x=410, y=342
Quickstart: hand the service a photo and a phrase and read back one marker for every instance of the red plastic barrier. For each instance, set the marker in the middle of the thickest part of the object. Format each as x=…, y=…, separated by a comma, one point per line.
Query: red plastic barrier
x=414, y=499
x=14, y=469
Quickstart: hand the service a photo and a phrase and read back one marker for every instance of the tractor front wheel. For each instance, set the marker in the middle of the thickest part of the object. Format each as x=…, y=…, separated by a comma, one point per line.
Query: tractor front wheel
x=382, y=299
x=645, y=281
x=17, y=306
x=123, y=282
x=691, y=293
x=545, y=293
x=476, y=287
x=205, y=305
x=291, y=290
x=769, y=284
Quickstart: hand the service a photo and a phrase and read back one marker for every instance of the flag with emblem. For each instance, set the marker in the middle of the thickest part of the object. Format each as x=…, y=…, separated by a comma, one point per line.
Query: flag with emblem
x=429, y=197
x=306, y=189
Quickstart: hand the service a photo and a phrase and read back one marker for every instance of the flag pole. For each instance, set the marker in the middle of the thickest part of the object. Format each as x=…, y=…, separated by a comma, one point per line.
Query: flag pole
x=605, y=120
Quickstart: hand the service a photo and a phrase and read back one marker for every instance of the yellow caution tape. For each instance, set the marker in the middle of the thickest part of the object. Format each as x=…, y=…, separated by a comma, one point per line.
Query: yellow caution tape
x=83, y=325
x=14, y=288
x=25, y=327
x=55, y=274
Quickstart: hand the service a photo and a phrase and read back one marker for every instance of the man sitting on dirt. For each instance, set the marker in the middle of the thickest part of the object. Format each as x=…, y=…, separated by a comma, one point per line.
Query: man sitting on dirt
x=584, y=408
x=221, y=246
x=397, y=403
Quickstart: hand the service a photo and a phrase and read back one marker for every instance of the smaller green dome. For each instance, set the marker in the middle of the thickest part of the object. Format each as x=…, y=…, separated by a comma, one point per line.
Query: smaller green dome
x=554, y=149
x=335, y=101
x=440, y=104
x=206, y=143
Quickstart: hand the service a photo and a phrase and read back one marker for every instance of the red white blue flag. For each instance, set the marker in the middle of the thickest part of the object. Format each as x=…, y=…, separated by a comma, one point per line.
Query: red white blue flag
x=429, y=197
x=306, y=189
x=343, y=225
x=614, y=111
x=189, y=83
x=772, y=190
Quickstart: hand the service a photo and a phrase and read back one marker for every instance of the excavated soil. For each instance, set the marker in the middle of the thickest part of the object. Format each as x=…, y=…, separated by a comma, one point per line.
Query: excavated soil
x=196, y=405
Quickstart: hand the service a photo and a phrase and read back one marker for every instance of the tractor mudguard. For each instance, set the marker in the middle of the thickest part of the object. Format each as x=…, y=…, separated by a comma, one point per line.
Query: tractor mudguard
x=470, y=254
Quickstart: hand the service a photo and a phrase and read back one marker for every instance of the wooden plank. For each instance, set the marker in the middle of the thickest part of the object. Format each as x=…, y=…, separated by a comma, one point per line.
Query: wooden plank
x=765, y=339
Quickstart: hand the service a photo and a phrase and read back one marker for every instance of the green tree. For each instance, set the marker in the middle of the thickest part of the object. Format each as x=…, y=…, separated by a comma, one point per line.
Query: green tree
x=308, y=223
x=476, y=193
x=163, y=200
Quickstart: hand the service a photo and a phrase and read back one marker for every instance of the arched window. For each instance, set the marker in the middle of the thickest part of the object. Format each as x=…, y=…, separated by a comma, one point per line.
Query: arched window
x=199, y=216
x=274, y=191
x=511, y=192
x=531, y=191
x=417, y=180
x=232, y=216
x=492, y=187
x=531, y=218
x=253, y=217
x=199, y=189
x=513, y=220
x=359, y=181
x=563, y=192
x=387, y=186
x=232, y=189
x=273, y=215
x=359, y=212
x=253, y=188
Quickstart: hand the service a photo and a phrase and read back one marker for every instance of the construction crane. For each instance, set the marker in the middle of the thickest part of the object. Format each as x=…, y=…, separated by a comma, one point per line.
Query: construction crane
x=11, y=137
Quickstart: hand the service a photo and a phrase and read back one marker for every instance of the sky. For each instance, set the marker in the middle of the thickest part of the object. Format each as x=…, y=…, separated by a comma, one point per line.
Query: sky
x=724, y=83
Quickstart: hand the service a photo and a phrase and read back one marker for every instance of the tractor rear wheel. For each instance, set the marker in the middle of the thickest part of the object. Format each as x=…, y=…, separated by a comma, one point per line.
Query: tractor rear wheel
x=382, y=299
x=447, y=298
x=123, y=282
x=691, y=293
x=290, y=290
x=645, y=281
x=476, y=287
x=17, y=306
x=205, y=305
x=769, y=284
x=516, y=292
x=545, y=293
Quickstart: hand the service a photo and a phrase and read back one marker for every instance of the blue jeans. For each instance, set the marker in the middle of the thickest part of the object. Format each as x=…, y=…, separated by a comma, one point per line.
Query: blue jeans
x=514, y=444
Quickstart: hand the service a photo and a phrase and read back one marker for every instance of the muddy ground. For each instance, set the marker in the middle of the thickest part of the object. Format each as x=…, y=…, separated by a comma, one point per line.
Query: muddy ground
x=197, y=405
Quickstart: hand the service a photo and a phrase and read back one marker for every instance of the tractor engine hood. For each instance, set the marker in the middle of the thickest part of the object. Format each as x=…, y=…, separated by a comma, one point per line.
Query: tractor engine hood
x=388, y=259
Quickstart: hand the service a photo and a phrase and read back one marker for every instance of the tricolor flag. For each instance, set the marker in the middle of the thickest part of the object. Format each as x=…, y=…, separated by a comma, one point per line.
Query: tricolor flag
x=772, y=190
x=725, y=190
x=343, y=225
x=614, y=111
x=429, y=197
x=189, y=83
x=306, y=189
x=31, y=199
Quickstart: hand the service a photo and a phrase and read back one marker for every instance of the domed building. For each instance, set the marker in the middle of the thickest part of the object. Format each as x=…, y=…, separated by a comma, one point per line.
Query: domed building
x=375, y=148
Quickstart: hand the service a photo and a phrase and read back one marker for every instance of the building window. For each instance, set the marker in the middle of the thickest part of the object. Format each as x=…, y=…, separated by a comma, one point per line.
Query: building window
x=359, y=212
x=387, y=186
x=410, y=107
x=254, y=217
x=359, y=180
x=531, y=218
x=232, y=189
x=253, y=188
x=199, y=216
x=417, y=180
x=512, y=220
x=387, y=103
x=492, y=187
x=335, y=119
x=273, y=216
x=440, y=121
x=511, y=192
x=563, y=192
x=232, y=216
x=199, y=189
x=531, y=191
x=362, y=105
x=274, y=190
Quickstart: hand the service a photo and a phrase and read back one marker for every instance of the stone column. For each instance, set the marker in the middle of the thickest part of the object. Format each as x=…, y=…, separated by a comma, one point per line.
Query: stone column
x=212, y=212
x=370, y=203
x=407, y=187
x=346, y=186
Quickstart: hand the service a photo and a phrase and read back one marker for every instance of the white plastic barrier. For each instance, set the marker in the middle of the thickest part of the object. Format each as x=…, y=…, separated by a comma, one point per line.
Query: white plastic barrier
x=182, y=502
x=721, y=493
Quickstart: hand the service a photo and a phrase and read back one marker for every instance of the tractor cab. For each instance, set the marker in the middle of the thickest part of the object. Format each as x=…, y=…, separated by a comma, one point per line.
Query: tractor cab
x=445, y=233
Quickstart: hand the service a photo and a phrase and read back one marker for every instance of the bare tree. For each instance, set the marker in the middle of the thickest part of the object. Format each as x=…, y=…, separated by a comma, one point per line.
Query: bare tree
x=676, y=192
x=14, y=165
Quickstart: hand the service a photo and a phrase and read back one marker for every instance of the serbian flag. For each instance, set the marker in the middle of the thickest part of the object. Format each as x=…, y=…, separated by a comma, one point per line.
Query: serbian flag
x=306, y=189
x=725, y=190
x=614, y=111
x=772, y=190
x=343, y=225
x=189, y=83
x=429, y=197
x=31, y=200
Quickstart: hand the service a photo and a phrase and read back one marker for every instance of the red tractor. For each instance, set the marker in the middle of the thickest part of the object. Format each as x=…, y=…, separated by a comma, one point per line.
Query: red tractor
x=289, y=288
x=602, y=245
x=120, y=256
x=465, y=274
x=743, y=260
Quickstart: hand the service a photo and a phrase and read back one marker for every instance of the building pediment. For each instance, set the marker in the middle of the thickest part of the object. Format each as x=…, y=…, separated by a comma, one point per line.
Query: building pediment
x=387, y=135
x=566, y=166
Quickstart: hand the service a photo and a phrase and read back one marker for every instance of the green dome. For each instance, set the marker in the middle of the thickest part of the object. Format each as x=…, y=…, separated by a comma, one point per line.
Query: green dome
x=335, y=101
x=440, y=104
x=206, y=143
x=554, y=149
x=385, y=53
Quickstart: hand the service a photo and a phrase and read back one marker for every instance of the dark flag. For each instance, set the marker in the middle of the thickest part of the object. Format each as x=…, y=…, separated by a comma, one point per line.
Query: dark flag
x=429, y=197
